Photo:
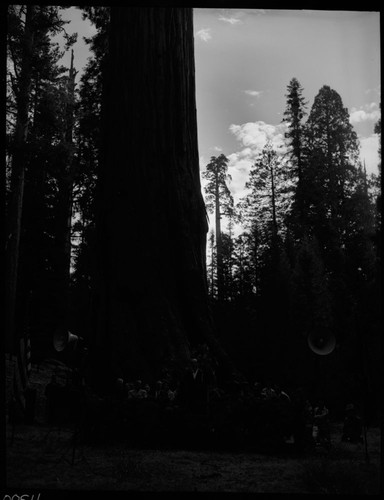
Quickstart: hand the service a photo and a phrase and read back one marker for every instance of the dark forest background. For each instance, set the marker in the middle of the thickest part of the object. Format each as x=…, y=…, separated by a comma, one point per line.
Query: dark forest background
x=107, y=236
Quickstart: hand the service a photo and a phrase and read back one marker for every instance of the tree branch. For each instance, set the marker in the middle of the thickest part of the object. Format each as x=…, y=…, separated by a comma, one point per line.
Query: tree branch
x=13, y=58
x=14, y=85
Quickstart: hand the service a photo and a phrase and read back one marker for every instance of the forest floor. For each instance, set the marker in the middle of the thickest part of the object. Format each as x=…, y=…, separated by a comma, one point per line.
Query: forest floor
x=40, y=458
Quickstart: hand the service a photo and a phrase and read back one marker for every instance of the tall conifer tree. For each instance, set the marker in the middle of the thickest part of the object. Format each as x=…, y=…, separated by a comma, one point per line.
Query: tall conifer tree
x=220, y=201
x=294, y=115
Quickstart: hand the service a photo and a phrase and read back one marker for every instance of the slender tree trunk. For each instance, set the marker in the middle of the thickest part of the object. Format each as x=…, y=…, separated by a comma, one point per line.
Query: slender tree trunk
x=219, y=245
x=35, y=99
x=256, y=260
x=241, y=270
x=272, y=172
x=152, y=302
x=19, y=158
x=298, y=156
x=229, y=284
x=65, y=195
x=212, y=242
x=300, y=181
x=332, y=179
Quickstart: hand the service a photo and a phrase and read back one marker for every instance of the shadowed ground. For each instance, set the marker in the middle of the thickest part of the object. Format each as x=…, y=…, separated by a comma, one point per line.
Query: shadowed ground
x=40, y=457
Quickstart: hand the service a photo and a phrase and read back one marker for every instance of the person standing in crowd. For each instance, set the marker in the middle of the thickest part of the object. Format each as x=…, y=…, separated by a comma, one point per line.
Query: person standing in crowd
x=193, y=389
x=284, y=409
x=321, y=424
x=129, y=388
x=158, y=390
x=119, y=388
x=353, y=425
x=282, y=395
x=138, y=392
x=308, y=422
x=268, y=391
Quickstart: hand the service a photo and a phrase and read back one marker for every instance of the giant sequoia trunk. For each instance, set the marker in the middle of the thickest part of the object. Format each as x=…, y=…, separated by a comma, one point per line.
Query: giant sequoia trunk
x=152, y=301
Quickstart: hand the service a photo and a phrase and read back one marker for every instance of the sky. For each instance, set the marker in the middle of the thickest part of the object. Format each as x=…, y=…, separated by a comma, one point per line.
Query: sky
x=83, y=28
x=245, y=60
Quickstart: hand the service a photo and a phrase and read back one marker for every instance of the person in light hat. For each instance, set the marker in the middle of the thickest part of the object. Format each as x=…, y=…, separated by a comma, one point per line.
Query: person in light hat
x=321, y=430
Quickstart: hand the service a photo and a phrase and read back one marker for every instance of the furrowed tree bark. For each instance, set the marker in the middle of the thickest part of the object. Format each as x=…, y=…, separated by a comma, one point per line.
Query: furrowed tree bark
x=152, y=302
x=17, y=182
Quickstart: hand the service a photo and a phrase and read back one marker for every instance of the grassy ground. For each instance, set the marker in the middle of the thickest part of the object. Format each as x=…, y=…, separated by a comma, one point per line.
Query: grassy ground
x=40, y=457
x=115, y=467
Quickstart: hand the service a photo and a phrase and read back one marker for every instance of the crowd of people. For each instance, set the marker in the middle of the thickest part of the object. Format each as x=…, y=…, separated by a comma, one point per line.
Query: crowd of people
x=137, y=390
x=195, y=408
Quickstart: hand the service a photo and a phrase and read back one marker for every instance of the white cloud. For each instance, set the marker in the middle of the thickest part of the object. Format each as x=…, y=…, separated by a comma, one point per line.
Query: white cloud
x=204, y=34
x=244, y=153
x=376, y=90
x=217, y=148
x=230, y=20
x=256, y=134
x=253, y=136
x=369, y=152
x=373, y=105
x=239, y=169
x=367, y=112
x=253, y=93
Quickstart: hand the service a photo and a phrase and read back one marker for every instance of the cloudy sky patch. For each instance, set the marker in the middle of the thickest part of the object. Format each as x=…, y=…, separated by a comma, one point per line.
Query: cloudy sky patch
x=239, y=169
x=336, y=48
x=204, y=34
x=252, y=137
x=254, y=93
x=369, y=154
x=230, y=20
x=265, y=51
x=255, y=135
x=366, y=112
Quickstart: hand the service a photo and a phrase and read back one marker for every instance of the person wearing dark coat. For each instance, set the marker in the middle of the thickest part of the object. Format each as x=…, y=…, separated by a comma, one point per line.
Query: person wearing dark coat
x=353, y=425
x=193, y=390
